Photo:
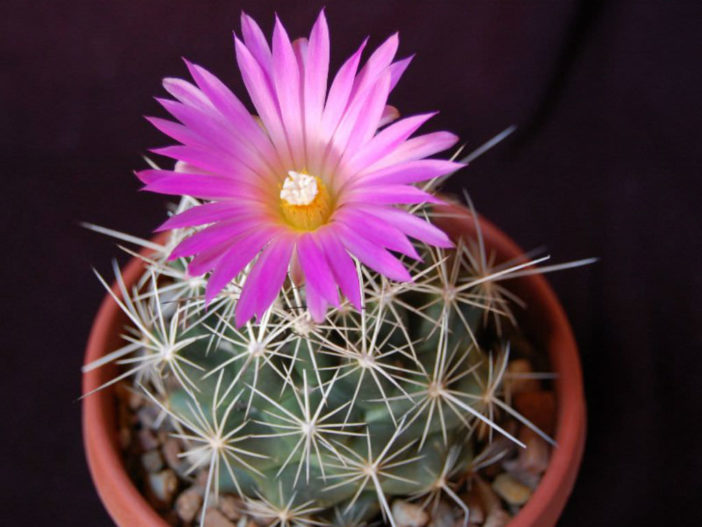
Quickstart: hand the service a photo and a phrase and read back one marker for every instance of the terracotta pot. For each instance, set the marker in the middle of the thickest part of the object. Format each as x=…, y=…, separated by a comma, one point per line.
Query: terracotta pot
x=544, y=318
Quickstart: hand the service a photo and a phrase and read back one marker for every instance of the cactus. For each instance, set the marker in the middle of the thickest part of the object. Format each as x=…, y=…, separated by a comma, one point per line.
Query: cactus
x=324, y=423
x=314, y=416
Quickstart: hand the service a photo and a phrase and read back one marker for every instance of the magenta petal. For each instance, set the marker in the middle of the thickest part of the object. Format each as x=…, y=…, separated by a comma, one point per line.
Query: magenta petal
x=389, y=195
x=418, y=148
x=338, y=96
x=341, y=264
x=286, y=79
x=397, y=69
x=243, y=124
x=315, y=74
x=243, y=250
x=386, y=141
x=365, y=124
x=380, y=233
x=263, y=99
x=220, y=164
x=177, y=131
x=265, y=279
x=215, y=235
x=256, y=42
x=150, y=175
x=209, y=258
x=205, y=261
x=203, y=186
x=211, y=131
x=377, y=63
x=411, y=172
x=300, y=46
x=201, y=215
x=412, y=226
x=187, y=93
x=359, y=122
x=316, y=304
x=373, y=256
x=390, y=114
x=316, y=269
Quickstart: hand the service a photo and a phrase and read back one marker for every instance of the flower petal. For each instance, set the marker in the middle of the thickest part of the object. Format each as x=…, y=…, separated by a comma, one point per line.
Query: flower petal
x=177, y=131
x=316, y=269
x=207, y=124
x=358, y=124
x=397, y=69
x=316, y=73
x=243, y=250
x=338, y=96
x=366, y=124
x=371, y=255
x=286, y=79
x=385, y=142
x=263, y=99
x=265, y=279
x=341, y=264
x=316, y=304
x=202, y=186
x=201, y=215
x=244, y=127
x=186, y=93
x=390, y=114
x=410, y=172
x=387, y=195
x=411, y=225
x=417, y=148
x=377, y=232
x=215, y=235
x=221, y=164
x=376, y=64
x=256, y=43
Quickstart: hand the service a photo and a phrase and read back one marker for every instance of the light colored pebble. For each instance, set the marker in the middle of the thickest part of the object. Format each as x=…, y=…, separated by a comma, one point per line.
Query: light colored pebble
x=171, y=448
x=201, y=479
x=187, y=504
x=498, y=518
x=231, y=507
x=409, y=515
x=148, y=416
x=128, y=394
x=488, y=498
x=475, y=506
x=152, y=461
x=147, y=440
x=517, y=380
x=514, y=469
x=162, y=486
x=511, y=490
x=214, y=518
x=537, y=454
x=442, y=516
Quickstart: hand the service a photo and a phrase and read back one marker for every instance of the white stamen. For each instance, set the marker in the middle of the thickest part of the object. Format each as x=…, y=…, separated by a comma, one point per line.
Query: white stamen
x=299, y=188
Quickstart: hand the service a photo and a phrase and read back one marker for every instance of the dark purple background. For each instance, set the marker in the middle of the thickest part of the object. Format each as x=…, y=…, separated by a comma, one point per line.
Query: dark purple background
x=606, y=164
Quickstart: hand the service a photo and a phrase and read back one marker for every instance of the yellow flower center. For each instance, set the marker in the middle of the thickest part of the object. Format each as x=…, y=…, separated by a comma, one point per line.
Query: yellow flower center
x=304, y=201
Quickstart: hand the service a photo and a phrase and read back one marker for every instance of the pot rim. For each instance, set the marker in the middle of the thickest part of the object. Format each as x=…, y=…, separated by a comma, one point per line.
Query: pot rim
x=128, y=507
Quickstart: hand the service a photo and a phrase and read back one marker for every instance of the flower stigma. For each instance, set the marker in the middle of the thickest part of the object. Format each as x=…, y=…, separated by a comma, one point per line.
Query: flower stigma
x=304, y=201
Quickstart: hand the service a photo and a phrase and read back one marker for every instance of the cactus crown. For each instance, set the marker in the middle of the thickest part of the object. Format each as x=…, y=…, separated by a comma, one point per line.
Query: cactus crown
x=324, y=423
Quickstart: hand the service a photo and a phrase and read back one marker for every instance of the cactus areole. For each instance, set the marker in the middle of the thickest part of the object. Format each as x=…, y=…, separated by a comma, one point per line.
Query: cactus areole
x=305, y=353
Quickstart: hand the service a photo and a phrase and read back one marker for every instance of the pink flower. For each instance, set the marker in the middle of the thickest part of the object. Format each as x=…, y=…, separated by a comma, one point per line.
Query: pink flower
x=315, y=178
